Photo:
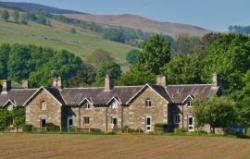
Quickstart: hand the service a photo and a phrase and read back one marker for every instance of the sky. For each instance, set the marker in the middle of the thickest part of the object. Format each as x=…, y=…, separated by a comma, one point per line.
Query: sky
x=214, y=15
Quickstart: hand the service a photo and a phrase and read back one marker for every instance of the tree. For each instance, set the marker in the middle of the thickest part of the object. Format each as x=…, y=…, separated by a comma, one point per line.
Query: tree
x=18, y=62
x=187, y=45
x=4, y=55
x=184, y=69
x=73, y=30
x=5, y=15
x=132, y=56
x=137, y=75
x=112, y=69
x=229, y=56
x=215, y=111
x=16, y=16
x=155, y=53
x=244, y=111
x=98, y=57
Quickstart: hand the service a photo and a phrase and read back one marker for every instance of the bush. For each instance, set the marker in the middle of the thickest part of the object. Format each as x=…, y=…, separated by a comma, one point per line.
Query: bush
x=161, y=127
x=179, y=131
x=52, y=127
x=27, y=128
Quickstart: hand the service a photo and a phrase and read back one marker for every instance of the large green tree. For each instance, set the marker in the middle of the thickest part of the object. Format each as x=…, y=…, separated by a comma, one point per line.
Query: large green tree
x=184, y=69
x=112, y=69
x=137, y=75
x=98, y=57
x=216, y=111
x=4, y=55
x=155, y=53
x=229, y=56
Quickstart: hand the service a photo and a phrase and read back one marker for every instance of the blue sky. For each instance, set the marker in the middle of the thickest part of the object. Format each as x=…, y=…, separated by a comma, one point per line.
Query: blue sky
x=211, y=14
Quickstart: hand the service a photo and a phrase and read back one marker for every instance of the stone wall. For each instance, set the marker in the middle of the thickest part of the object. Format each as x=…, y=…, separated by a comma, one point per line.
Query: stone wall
x=34, y=110
x=134, y=115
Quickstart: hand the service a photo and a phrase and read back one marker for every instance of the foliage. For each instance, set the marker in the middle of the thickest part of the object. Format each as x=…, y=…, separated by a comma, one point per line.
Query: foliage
x=112, y=69
x=132, y=56
x=98, y=57
x=4, y=55
x=239, y=29
x=52, y=127
x=73, y=30
x=16, y=16
x=5, y=15
x=137, y=75
x=38, y=17
x=27, y=128
x=229, y=56
x=184, y=69
x=187, y=45
x=216, y=111
x=16, y=118
x=155, y=53
x=244, y=111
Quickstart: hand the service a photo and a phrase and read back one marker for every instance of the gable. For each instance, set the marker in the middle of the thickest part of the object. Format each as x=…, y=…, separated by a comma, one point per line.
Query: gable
x=46, y=95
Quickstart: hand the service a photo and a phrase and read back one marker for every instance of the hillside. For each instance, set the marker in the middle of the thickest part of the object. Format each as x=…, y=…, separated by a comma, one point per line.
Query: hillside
x=144, y=24
x=125, y=20
x=58, y=36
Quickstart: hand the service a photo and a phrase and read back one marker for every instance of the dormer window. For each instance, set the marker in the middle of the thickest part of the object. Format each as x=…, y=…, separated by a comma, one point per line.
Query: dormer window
x=43, y=105
x=114, y=105
x=148, y=103
x=189, y=103
x=86, y=105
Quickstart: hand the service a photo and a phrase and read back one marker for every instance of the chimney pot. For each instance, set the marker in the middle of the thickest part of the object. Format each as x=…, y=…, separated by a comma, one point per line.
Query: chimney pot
x=215, y=79
x=107, y=83
x=6, y=86
x=161, y=80
x=25, y=84
x=57, y=83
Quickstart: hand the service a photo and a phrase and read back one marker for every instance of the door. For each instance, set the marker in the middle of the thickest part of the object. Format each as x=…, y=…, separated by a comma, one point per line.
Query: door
x=190, y=123
x=114, y=122
x=148, y=121
x=69, y=123
x=43, y=124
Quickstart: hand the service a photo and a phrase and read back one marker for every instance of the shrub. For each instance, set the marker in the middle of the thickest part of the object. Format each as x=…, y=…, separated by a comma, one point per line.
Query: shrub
x=27, y=128
x=52, y=127
x=160, y=127
x=179, y=131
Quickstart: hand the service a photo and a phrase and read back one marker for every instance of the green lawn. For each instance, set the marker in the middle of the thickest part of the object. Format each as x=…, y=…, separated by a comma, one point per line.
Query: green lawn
x=59, y=37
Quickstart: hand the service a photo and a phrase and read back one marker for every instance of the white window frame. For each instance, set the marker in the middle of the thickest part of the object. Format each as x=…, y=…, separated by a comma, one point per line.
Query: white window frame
x=148, y=103
x=190, y=126
x=189, y=103
x=148, y=128
x=68, y=125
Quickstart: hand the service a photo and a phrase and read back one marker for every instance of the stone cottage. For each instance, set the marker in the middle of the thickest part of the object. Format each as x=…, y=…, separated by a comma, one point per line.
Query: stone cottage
x=110, y=107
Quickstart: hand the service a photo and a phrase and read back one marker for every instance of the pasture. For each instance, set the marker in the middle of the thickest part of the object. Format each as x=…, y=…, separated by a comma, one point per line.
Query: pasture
x=77, y=146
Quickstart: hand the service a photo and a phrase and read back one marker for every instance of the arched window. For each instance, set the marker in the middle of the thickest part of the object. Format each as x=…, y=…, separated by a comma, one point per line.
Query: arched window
x=43, y=105
x=148, y=103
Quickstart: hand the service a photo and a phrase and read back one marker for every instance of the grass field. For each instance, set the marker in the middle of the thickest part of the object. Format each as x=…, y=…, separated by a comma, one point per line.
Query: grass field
x=59, y=37
x=66, y=146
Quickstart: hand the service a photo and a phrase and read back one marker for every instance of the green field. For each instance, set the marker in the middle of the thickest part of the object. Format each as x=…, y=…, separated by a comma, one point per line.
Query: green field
x=65, y=146
x=58, y=36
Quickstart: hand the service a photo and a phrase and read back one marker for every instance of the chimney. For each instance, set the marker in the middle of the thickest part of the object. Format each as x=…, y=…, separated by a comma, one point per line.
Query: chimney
x=215, y=79
x=161, y=80
x=57, y=83
x=6, y=86
x=25, y=84
x=107, y=83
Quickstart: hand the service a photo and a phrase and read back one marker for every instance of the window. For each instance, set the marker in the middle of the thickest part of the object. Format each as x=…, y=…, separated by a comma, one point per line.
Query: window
x=86, y=120
x=148, y=123
x=190, y=122
x=43, y=105
x=87, y=105
x=148, y=103
x=189, y=104
x=114, y=105
x=177, y=119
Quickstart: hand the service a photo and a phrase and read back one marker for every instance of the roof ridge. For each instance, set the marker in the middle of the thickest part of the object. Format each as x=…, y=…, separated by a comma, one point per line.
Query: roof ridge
x=190, y=85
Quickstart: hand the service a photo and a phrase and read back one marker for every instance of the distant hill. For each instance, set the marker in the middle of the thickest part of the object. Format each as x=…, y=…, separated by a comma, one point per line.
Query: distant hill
x=125, y=20
x=29, y=7
x=59, y=36
x=142, y=23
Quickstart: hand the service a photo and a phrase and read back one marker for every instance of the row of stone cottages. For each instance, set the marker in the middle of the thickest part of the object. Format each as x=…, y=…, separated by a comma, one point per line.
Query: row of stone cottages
x=109, y=107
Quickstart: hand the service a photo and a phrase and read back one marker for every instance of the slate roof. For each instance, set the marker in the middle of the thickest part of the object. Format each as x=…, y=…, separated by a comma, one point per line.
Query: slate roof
x=179, y=92
x=73, y=96
x=19, y=96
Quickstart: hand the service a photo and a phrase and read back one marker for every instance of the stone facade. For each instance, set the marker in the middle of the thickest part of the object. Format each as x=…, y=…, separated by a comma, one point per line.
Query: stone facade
x=46, y=107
